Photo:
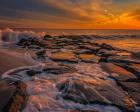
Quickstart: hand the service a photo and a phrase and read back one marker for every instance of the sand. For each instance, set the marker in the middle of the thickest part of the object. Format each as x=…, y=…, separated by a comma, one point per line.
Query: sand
x=10, y=59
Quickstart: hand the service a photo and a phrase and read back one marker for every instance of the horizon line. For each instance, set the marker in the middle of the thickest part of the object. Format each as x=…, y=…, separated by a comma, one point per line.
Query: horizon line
x=67, y=28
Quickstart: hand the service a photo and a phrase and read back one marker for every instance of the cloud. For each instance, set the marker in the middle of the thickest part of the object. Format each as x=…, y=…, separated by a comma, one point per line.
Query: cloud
x=63, y=13
x=135, y=14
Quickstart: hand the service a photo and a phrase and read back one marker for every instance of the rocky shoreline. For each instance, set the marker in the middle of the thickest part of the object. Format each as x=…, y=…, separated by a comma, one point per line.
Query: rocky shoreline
x=116, y=81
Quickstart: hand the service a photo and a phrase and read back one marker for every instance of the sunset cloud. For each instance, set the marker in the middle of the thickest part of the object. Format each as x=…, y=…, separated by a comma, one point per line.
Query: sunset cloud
x=68, y=13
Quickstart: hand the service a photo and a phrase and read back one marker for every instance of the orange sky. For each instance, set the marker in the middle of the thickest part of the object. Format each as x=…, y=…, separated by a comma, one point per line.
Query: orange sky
x=71, y=14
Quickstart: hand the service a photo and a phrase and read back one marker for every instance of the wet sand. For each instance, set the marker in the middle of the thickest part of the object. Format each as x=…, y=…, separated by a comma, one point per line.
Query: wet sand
x=12, y=59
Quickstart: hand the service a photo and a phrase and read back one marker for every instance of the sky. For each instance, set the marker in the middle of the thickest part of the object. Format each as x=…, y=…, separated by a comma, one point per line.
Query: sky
x=70, y=14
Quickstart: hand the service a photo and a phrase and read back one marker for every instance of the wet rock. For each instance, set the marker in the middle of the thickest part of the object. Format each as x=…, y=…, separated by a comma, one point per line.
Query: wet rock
x=92, y=91
x=106, y=53
x=131, y=86
x=93, y=48
x=83, y=51
x=47, y=36
x=136, y=55
x=108, y=47
x=32, y=72
x=134, y=68
x=84, y=110
x=123, y=59
x=136, y=97
x=133, y=89
x=25, y=42
x=117, y=72
x=13, y=96
x=41, y=54
x=59, y=69
x=91, y=58
x=34, y=47
x=64, y=56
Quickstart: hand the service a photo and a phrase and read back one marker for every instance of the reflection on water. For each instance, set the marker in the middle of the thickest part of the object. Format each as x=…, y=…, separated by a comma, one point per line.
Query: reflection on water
x=127, y=44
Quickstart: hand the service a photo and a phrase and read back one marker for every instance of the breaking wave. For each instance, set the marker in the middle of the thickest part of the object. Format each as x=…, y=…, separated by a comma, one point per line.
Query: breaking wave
x=9, y=35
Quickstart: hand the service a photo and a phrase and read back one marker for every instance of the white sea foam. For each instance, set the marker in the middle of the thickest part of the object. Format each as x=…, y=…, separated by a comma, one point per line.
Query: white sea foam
x=45, y=97
x=9, y=35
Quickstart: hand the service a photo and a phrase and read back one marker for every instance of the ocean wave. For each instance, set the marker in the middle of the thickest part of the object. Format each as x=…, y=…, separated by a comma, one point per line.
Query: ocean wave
x=9, y=35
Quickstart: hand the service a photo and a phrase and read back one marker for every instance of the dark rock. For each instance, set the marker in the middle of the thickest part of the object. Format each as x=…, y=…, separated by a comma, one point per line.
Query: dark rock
x=13, y=96
x=136, y=55
x=83, y=51
x=131, y=86
x=47, y=36
x=41, y=54
x=59, y=69
x=106, y=46
x=123, y=59
x=25, y=42
x=134, y=68
x=32, y=72
x=136, y=97
x=106, y=53
x=93, y=48
x=133, y=89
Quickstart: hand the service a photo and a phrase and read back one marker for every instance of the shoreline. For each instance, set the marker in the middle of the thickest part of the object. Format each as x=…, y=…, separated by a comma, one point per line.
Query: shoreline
x=12, y=59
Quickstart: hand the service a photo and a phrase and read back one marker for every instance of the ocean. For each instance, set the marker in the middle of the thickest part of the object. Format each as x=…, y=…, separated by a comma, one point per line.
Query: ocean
x=82, y=31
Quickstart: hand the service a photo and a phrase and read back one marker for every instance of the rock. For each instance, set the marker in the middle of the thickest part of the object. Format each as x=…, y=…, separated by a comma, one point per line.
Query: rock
x=41, y=53
x=131, y=86
x=83, y=51
x=133, y=89
x=59, y=69
x=32, y=72
x=91, y=58
x=47, y=36
x=134, y=68
x=13, y=96
x=136, y=55
x=117, y=72
x=136, y=97
x=64, y=56
x=108, y=47
x=92, y=91
x=106, y=53
x=93, y=48
x=123, y=59
x=25, y=42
